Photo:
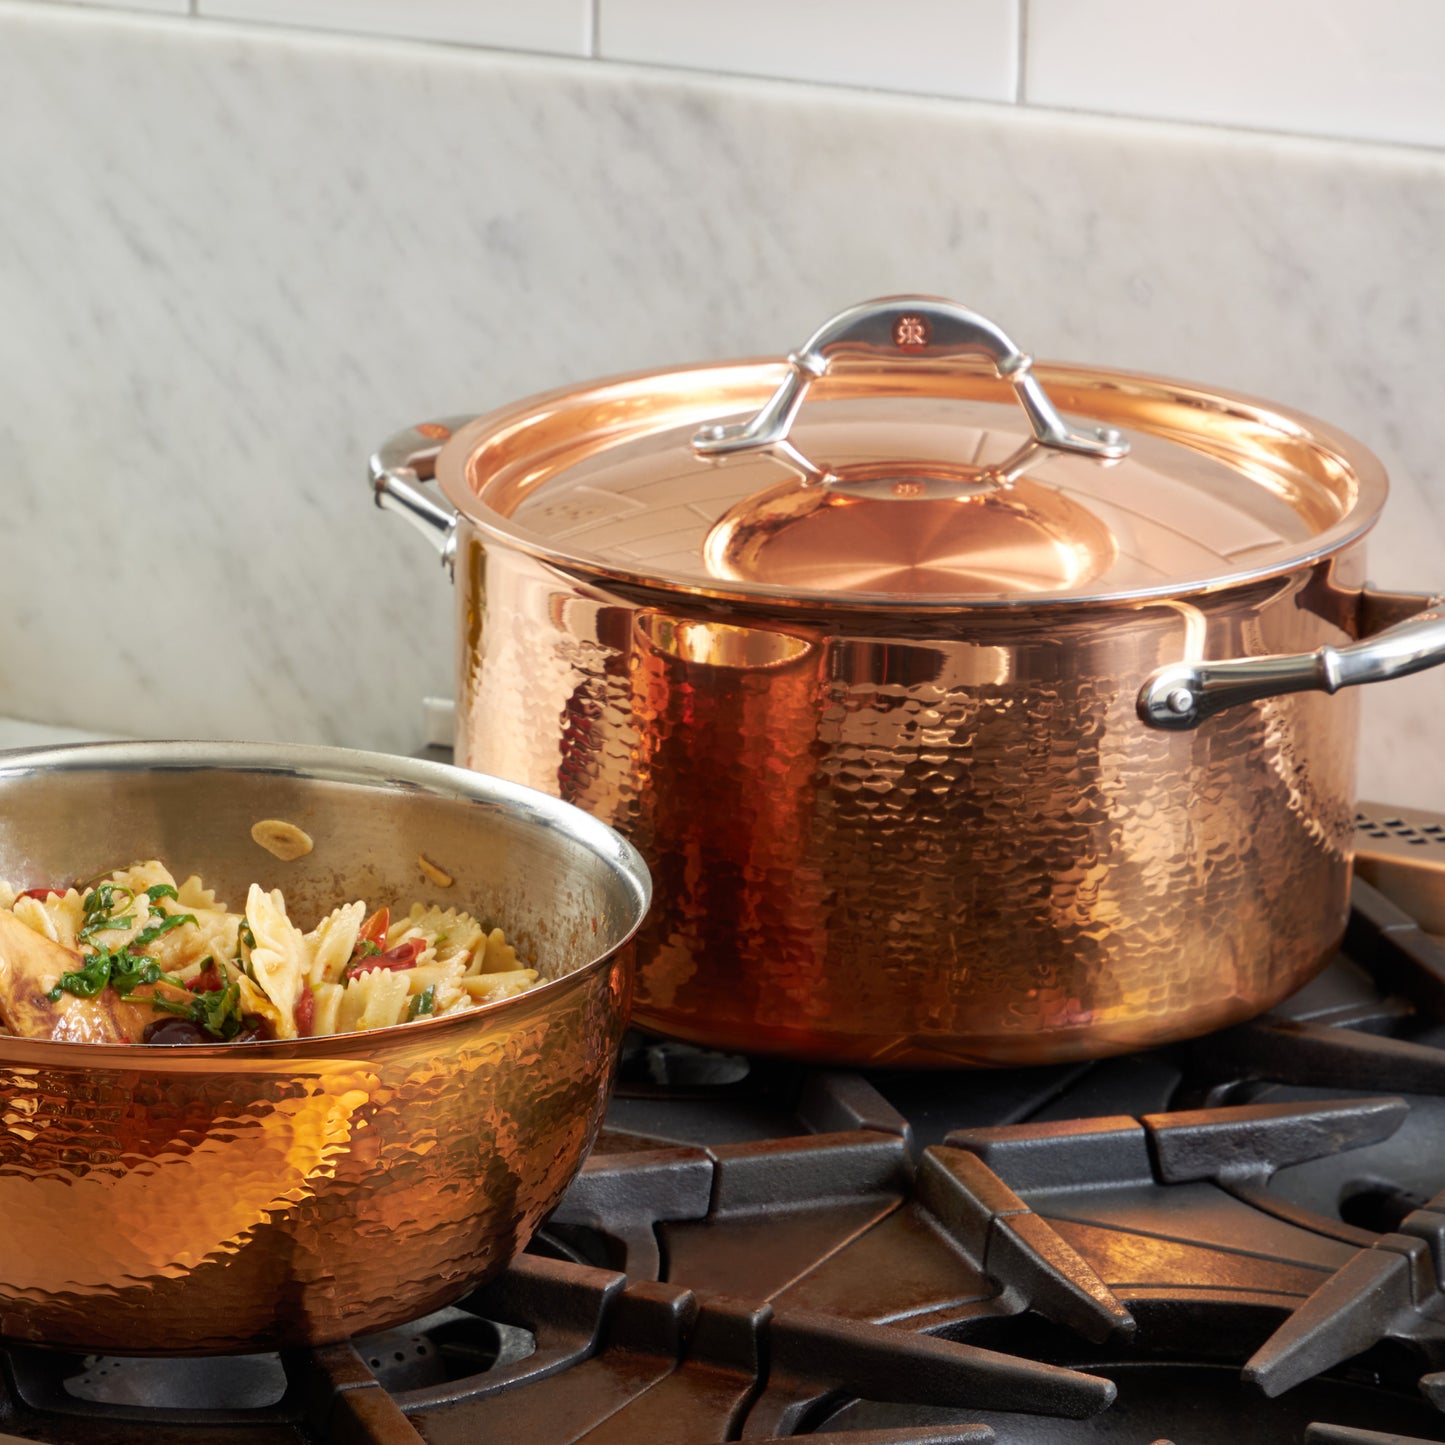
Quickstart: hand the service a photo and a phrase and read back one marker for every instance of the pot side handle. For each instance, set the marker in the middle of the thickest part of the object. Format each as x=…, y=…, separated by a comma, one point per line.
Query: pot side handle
x=400, y=466
x=1182, y=695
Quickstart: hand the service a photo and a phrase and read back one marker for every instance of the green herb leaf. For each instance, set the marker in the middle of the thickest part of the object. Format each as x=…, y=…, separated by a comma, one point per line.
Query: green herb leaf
x=87, y=981
x=245, y=942
x=423, y=1003
x=127, y=972
x=104, y=925
x=121, y=968
x=161, y=1003
x=219, y=1012
x=97, y=906
x=168, y=922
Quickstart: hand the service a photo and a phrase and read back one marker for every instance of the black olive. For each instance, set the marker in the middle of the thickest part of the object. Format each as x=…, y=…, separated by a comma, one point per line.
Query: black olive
x=175, y=1031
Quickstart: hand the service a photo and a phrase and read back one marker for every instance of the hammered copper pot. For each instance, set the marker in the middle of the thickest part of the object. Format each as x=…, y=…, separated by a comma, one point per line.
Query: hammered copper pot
x=207, y=1199
x=953, y=733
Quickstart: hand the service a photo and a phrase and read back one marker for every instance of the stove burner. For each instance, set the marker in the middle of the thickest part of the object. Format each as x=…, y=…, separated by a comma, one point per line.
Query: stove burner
x=1191, y=1404
x=674, y=1067
x=448, y=1346
x=1238, y=1239
x=246, y=1382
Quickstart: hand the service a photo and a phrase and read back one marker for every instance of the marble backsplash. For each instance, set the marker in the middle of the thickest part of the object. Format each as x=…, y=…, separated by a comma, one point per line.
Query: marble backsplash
x=233, y=260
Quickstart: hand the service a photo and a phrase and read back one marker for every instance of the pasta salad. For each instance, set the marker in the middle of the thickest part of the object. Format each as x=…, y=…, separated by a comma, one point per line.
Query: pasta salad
x=136, y=957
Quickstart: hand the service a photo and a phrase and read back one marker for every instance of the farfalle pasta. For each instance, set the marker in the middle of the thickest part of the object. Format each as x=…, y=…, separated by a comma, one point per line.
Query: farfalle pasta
x=137, y=957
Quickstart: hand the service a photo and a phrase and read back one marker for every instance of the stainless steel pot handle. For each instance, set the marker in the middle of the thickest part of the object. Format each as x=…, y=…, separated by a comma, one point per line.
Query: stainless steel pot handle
x=398, y=468
x=895, y=327
x=1183, y=694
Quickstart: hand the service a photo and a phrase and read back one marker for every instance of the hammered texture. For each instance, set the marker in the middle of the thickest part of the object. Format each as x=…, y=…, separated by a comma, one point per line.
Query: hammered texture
x=949, y=841
x=195, y=1208
x=257, y=1196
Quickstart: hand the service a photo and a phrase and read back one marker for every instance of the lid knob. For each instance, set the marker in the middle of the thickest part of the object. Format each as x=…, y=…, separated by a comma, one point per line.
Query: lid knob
x=841, y=528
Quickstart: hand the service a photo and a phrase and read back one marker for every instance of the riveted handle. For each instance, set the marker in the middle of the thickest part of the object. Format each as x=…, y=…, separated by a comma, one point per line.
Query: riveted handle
x=899, y=328
x=400, y=466
x=1183, y=694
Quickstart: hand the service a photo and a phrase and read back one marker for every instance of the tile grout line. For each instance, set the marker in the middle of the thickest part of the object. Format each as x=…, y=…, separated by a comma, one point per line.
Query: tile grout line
x=594, y=17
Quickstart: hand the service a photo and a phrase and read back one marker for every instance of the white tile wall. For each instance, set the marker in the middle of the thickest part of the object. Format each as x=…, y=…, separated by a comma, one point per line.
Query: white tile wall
x=271, y=247
x=1334, y=68
x=929, y=47
x=560, y=27
x=1314, y=67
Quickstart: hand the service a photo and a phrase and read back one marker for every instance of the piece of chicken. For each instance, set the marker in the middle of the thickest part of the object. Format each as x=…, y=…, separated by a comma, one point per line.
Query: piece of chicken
x=31, y=965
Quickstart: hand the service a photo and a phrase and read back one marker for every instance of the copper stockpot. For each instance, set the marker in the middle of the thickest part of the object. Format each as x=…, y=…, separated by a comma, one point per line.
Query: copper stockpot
x=953, y=734
x=209, y=1199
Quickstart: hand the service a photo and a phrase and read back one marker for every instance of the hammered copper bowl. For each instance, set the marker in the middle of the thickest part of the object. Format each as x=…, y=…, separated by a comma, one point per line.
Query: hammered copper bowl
x=252, y=1196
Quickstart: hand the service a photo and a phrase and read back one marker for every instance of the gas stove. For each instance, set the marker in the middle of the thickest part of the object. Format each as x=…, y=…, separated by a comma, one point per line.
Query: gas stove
x=1236, y=1239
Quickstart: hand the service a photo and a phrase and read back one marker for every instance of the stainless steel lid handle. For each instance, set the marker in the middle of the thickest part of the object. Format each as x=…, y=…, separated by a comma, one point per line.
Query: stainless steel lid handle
x=399, y=467
x=906, y=327
x=1183, y=694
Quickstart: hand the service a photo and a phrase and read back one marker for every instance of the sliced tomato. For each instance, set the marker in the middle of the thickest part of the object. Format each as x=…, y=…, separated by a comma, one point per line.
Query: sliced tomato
x=43, y=893
x=305, y=1011
x=208, y=980
x=404, y=955
x=375, y=929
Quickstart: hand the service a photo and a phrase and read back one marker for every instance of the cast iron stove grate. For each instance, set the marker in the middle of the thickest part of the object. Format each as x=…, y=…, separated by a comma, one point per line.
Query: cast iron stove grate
x=1241, y=1239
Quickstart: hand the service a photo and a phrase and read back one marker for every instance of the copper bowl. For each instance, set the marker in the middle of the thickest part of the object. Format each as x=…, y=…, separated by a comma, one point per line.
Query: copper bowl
x=232, y=1197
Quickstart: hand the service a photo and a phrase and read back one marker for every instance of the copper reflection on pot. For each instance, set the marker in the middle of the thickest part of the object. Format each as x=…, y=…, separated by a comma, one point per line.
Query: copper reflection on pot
x=853, y=536
x=704, y=691
x=945, y=843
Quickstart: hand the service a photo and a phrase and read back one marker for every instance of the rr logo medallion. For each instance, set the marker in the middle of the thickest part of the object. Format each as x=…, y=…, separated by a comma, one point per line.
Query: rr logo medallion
x=910, y=332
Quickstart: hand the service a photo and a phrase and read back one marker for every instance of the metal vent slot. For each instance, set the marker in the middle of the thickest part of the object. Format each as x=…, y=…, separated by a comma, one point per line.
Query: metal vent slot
x=1385, y=829
x=1401, y=851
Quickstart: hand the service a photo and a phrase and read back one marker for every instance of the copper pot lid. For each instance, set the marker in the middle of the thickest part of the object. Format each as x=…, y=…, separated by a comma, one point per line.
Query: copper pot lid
x=883, y=464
